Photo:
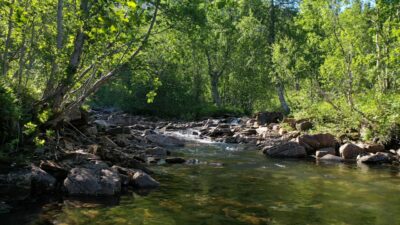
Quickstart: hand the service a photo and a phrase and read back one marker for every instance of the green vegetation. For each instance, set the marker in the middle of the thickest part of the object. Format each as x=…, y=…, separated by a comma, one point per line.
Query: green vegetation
x=336, y=62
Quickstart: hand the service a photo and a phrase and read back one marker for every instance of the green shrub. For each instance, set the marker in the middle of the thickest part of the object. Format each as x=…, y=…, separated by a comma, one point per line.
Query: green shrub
x=9, y=116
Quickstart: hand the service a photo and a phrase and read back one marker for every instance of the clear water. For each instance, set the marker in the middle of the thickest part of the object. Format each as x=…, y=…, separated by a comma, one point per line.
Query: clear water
x=251, y=189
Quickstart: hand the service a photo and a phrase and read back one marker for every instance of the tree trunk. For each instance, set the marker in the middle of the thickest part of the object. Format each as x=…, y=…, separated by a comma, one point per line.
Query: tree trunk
x=214, y=89
x=56, y=99
x=272, y=33
x=282, y=100
x=8, y=39
x=54, y=67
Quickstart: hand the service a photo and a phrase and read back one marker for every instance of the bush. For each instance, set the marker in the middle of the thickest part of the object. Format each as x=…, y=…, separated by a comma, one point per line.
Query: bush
x=9, y=116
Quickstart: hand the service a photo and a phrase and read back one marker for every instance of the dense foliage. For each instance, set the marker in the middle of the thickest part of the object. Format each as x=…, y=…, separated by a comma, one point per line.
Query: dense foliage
x=334, y=61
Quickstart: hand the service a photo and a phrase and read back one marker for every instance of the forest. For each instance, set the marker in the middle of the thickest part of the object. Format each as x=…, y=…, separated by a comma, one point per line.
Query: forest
x=185, y=112
x=335, y=62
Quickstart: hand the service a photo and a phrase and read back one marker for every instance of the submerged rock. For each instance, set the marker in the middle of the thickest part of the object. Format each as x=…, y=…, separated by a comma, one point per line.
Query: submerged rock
x=286, y=150
x=141, y=179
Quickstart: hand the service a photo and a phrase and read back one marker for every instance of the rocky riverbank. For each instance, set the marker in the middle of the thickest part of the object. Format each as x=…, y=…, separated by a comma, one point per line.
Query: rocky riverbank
x=106, y=153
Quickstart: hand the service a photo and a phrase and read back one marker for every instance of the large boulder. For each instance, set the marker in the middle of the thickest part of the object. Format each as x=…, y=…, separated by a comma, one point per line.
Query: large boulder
x=286, y=150
x=317, y=141
x=376, y=158
x=165, y=141
x=21, y=183
x=350, y=151
x=268, y=117
x=93, y=180
x=42, y=182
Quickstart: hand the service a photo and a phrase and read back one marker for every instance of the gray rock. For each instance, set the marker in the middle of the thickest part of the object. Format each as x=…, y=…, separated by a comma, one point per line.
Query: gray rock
x=42, y=182
x=19, y=184
x=165, y=141
x=93, y=180
x=350, y=151
x=325, y=151
x=376, y=158
x=141, y=179
x=286, y=150
x=316, y=142
x=330, y=158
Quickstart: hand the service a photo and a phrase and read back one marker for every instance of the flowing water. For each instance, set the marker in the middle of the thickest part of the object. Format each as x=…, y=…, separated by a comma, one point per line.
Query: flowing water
x=249, y=189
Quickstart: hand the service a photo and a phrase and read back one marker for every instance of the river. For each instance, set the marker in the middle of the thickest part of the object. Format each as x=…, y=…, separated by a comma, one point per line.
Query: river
x=248, y=188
